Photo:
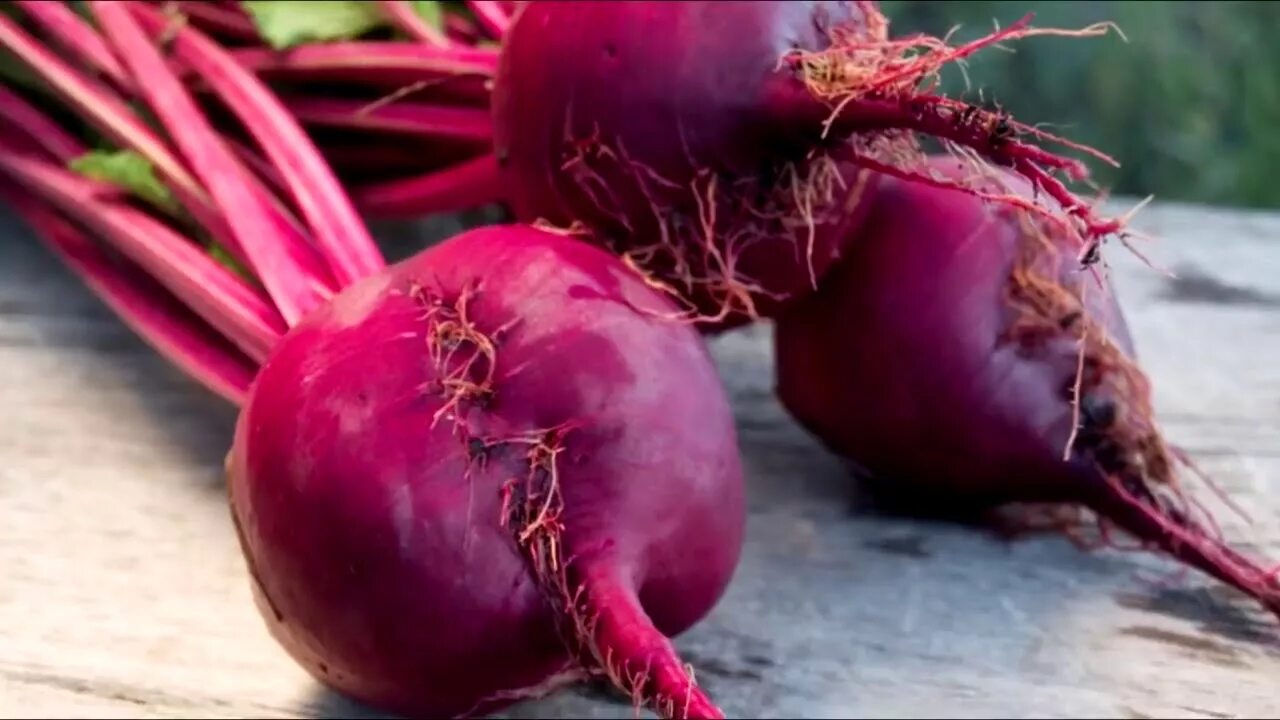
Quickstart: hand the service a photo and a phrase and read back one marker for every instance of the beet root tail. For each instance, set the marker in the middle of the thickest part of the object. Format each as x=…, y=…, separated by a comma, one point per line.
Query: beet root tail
x=638, y=658
x=597, y=608
x=880, y=93
x=1187, y=540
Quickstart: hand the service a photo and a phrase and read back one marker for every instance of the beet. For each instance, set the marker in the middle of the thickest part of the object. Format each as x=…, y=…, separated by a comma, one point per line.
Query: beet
x=466, y=479
x=943, y=355
x=692, y=137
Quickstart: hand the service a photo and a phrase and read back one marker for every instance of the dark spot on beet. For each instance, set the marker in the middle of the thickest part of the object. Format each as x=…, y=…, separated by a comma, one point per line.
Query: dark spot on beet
x=1097, y=413
x=584, y=292
x=1193, y=285
x=324, y=669
x=904, y=546
x=502, y=154
x=611, y=51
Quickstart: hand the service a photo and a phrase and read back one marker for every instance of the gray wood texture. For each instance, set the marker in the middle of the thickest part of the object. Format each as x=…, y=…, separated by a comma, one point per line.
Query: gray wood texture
x=123, y=593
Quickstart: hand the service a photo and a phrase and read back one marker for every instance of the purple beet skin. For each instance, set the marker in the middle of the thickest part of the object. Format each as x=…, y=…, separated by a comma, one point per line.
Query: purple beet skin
x=943, y=354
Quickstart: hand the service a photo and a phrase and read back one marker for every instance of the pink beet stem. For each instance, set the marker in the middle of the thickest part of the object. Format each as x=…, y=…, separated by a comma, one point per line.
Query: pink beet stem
x=221, y=298
x=23, y=117
x=1185, y=540
x=411, y=60
x=637, y=656
x=466, y=185
x=261, y=167
x=403, y=16
x=338, y=231
x=458, y=123
x=492, y=17
x=249, y=217
x=227, y=20
x=75, y=35
x=461, y=29
x=145, y=307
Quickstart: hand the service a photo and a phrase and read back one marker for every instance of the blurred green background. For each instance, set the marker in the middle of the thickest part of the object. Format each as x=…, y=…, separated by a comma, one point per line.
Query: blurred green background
x=1190, y=106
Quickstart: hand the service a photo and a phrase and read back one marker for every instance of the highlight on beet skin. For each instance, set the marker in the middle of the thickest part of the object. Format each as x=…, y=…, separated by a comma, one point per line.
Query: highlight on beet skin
x=962, y=360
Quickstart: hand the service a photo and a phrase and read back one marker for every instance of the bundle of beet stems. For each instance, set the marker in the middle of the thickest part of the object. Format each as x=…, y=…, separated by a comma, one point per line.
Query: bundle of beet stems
x=394, y=93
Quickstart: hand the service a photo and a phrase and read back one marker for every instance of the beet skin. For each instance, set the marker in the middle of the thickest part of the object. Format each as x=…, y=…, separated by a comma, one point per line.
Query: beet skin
x=649, y=123
x=942, y=356
x=472, y=478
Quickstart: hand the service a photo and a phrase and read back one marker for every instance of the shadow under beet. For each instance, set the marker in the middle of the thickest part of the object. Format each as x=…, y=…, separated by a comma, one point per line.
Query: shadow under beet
x=326, y=703
x=1191, y=284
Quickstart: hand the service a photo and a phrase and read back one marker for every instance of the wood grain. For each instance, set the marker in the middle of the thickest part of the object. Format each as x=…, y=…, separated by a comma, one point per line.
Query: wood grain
x=122, y=592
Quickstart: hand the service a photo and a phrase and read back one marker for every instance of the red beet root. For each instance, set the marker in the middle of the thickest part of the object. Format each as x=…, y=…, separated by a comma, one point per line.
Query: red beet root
x=466, y=482
x=943, y=356
x=693, y=137
x=459, y=481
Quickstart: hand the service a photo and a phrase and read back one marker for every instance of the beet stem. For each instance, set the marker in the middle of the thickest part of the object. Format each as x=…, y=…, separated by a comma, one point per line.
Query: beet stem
x=403, y=16
x=25, y=118
x=461, y=29
x=213, y=19
x=370, y=57
x=467, y=185
x=261, y=167
x=411, y=119
x=491, y=16
x=75, y=35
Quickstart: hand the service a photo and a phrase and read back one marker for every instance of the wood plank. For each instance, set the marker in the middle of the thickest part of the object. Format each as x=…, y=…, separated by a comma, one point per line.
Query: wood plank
x=122, y=592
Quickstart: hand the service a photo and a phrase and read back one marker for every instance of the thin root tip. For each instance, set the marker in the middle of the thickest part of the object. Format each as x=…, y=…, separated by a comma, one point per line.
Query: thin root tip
x=1023, y=22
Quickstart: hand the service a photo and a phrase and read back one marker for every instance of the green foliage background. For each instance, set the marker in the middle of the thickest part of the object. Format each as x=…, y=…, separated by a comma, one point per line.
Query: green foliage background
x=1190, y=106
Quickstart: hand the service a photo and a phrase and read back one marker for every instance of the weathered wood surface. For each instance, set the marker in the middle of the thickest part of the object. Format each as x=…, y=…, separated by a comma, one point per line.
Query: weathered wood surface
x=122, y=592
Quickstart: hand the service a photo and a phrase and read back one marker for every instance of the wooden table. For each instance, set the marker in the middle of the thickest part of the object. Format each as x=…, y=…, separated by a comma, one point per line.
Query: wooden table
x=123, y=594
